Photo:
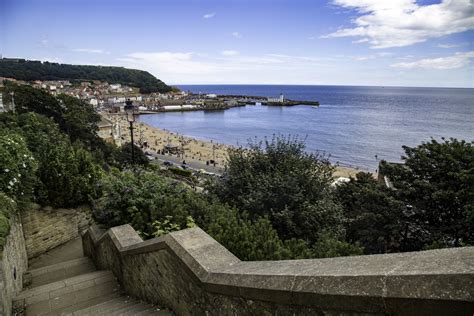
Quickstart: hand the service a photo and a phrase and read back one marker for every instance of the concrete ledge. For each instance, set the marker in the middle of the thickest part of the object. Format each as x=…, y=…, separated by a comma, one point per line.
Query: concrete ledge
x=190, y=265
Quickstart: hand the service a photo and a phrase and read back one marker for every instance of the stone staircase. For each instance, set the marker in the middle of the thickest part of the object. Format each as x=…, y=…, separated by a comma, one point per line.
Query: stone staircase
x=57, y=286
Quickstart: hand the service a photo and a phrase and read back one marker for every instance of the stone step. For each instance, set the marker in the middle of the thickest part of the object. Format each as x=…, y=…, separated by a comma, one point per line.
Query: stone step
x=133, y=309
x=122, y=306
x=105, y=308
x=154, y=311
x=70, y=294
x=57, y=272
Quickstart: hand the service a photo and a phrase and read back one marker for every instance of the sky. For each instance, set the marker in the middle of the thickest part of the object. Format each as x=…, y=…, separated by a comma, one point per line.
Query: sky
x=314, y=42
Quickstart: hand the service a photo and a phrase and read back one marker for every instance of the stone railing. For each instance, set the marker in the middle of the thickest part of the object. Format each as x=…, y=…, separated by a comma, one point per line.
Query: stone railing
x=193, y=274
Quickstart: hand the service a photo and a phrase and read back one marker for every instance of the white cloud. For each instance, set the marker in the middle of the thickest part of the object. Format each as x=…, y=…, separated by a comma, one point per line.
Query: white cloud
x=396, y=23
x=209, y=15
x=230, y=52
x=457, y=60
x=371, y=56
x=448, y=45
x=236, y=35
x=91, y=51
x=168, y=64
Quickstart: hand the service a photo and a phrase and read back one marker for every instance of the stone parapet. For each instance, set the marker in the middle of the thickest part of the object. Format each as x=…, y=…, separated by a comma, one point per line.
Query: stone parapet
x=193, y=274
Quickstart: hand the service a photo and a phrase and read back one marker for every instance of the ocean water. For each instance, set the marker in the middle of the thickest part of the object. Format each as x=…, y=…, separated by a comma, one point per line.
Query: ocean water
x=352, y=125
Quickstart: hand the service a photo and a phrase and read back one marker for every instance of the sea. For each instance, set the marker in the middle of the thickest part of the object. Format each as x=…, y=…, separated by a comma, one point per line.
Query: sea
x=354, y=126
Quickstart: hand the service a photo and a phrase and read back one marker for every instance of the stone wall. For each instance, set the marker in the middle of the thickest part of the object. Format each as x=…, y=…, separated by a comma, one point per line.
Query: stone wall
x=46, y=228
x=191, y=273
x=13, y=263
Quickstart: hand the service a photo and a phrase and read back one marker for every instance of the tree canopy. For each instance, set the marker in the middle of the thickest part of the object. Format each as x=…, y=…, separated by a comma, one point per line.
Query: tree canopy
x=30, y=70
x=438, y=180
x=278, y=179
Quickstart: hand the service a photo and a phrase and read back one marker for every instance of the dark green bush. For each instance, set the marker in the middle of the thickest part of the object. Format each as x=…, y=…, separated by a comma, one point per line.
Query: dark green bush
x=142, y=198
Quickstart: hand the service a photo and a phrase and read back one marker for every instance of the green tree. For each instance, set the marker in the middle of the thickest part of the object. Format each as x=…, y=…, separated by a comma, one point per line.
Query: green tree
x=438, y=180
x=73, y=116
x=29, y=99
x=373, y=217
x=280, y=180
x=154, y=205
x=123, y=156
x=79, y=120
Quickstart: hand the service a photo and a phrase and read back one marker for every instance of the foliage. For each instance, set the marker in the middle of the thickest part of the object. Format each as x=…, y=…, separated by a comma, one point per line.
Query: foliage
x=123, y=156
x=181, y=172
x=80, y=120
x=167, y=226
x=18, y=165
x=36, y=70
x=66, y=174
x=329, y=247
x=29, y=99
x=149, y=202
x=74, y=117
x=373, y=217
x=7, y=208
x=438, y=180
x=280, y=180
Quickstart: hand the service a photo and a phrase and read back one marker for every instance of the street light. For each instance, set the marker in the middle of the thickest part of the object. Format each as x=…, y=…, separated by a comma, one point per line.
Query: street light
x=408, y=213
x=130, y=111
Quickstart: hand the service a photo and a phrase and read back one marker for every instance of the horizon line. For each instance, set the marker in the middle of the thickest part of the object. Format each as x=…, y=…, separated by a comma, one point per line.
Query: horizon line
x=309, y=85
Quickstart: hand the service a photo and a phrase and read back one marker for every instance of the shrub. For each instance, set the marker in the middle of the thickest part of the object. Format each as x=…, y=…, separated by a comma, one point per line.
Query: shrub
x=154, y=206
x=278, y=179
x=66, y=174
x=18, y=165
x=7, y=208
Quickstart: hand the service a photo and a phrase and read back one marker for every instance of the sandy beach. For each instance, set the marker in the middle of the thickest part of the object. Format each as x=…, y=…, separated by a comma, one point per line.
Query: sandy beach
x=196, y=151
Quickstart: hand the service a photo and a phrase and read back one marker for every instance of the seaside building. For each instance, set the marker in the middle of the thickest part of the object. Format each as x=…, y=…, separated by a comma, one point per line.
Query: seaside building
x=280, y=99
x=105, y=130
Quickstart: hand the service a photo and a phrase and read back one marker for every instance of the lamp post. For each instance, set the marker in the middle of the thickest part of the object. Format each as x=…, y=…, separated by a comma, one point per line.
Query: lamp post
x=130, y=111
x=408, y=213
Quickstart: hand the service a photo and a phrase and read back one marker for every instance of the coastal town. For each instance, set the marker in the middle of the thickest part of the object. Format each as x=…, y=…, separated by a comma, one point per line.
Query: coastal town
x=160, y=145
x=111, y=97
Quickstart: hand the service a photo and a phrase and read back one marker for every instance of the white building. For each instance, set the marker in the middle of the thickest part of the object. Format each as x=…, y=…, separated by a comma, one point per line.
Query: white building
x=179, y=107
x=94, y=102
x=281, y=99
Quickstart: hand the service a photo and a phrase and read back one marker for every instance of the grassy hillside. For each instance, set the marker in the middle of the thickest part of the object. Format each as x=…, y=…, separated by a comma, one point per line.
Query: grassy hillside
x=35, y=70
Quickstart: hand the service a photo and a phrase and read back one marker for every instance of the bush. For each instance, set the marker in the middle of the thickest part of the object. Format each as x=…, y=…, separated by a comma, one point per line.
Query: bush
x=7, y=208
x=181, y=172
x=373, y=216
x=18, y=165
x=154, y=206
x=66, y=175
x=124, y=156
x=278, y=179
x=437, y=179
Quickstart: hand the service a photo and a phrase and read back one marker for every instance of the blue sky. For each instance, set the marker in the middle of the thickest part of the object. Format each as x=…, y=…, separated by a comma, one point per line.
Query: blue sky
x=343, y=42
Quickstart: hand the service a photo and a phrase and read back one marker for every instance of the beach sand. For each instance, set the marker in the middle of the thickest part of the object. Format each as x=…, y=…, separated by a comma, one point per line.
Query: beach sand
x=196, y=151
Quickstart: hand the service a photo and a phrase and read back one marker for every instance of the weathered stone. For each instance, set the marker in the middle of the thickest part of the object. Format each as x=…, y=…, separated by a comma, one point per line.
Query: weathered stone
x=193, y=274
x=46, y=228
x=13, y=263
